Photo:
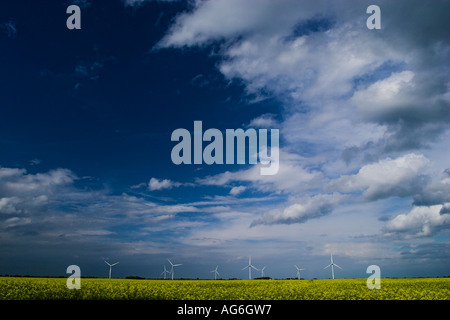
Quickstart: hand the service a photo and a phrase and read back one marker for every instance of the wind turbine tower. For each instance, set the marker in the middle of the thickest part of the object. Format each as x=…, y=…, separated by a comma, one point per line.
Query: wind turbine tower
x=110, y=267
x=172, y=266
x=262, y=272
x=298, y=271
x=250, y=266
x=332, y=264
x=216, y=273
x=165, y=272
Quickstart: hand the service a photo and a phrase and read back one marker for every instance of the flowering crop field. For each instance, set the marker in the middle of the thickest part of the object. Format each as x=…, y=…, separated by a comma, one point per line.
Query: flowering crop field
x=127, y=289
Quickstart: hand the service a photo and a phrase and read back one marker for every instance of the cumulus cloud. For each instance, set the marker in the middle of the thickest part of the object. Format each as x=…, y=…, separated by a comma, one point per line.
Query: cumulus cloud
x=400, y=177
x=414, y=105
x=8, y=205
x=371, y=99
x=301, y=211
x=436, y=192
x=346, y=87
x=292, y=55
x=218, y=19
x=21, y=192
x=403, y=96
x=292, y=176
x=155, y=184
x=419, y=222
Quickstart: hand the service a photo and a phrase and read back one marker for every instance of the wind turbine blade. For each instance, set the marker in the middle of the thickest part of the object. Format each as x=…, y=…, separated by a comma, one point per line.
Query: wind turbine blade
x=107, y=263
x=176, y=265
x=114, y=264
x=327, y=266
x=245, y=267
x=170, y=262
x=255, y=268
x=337, y=266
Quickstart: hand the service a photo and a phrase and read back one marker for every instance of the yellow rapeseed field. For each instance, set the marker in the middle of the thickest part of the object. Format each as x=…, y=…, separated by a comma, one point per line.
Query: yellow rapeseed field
x=126, y=289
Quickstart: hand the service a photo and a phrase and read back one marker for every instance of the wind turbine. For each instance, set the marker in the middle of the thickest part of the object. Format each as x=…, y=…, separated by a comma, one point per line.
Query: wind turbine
x=165, y=272
x=216, y=273
x=250, y=266
x=172, y=266
x=262, y=272
x=332, y=266
x=110, y=267
x=298, y=271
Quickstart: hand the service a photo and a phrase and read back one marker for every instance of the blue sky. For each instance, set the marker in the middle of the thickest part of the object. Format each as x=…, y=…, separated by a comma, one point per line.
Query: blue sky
x=87, y=117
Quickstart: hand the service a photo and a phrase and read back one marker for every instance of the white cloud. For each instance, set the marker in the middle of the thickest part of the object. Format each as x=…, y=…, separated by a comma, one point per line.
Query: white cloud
x=218, y=19
x=301, y=211
x=402, y=96
x=330, y=127
x=16, y=181
x=16, y=221
x=237, y=190
x=265, y=121
x=49, y=206
x=155, y=184
x=317, y=66
x=381, y=95
x=8, y=205
x=400, y=177
x=316, y=55
x=292, y=176
x=23, y=193
x=419, y=222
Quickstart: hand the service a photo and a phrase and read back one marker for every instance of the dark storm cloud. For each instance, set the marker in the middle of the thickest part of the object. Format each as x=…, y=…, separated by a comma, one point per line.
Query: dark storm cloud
x=428, y=251
x=433, y=193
